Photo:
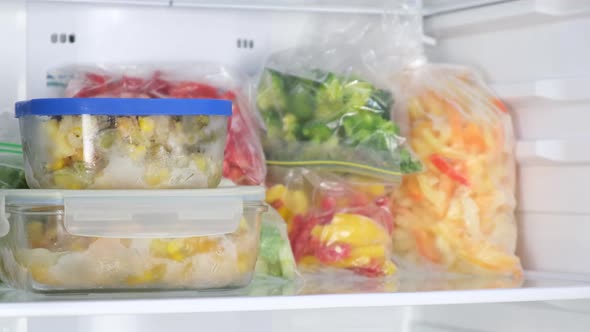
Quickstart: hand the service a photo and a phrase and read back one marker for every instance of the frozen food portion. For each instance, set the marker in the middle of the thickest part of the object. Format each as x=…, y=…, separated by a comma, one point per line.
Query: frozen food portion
x=40, y=254
x=275, y=257
x=334, y=221
x=331, y=121
x=458, y=215
x=244, y=159
x=105, y=151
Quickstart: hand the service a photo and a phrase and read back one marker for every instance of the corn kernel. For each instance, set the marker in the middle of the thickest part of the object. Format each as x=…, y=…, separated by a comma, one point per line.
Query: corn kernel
x=146, y=124
x=177, y=257
x=158, y=248
x=137, y=152
x=174, y=247
x=201, y=162
x=154, y=274
x=155, y=176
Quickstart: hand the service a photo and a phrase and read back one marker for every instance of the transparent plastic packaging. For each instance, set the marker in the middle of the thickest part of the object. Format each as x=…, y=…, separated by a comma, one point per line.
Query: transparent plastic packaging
x=59, y=242
x=12, y=170
x=334, y=221
x=244, y=159
x=458, y=215
x=334, y=122
x=327, y=102
x=334, y=151
x=275, y=258
x=124, y=143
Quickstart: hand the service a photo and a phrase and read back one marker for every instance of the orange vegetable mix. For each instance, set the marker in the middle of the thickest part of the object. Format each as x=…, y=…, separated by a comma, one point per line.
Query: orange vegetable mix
x=458, y=215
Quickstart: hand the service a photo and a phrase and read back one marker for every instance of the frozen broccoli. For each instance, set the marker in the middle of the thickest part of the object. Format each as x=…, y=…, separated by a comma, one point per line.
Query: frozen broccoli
x=380, y=101
x=291, y=127
x=357, y=94
x=316, y=132
x=301, y=101
x=330, y=98
x=271, y=92
x=274, y=125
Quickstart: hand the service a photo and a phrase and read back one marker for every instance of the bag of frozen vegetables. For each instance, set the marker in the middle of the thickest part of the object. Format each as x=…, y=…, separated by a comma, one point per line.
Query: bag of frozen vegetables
x=334, y=221
x=458, y=215
x=275, y=257
x=244, y=159
x=331, y=121
x=327, y=102
x=12, y=173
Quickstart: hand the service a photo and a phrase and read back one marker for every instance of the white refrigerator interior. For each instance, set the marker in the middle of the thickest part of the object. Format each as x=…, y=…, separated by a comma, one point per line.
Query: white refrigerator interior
x=535, y=55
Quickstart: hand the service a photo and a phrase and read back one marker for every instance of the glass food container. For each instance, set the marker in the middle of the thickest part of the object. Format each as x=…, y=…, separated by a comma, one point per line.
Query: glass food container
x=119, y=143
x=111, y=240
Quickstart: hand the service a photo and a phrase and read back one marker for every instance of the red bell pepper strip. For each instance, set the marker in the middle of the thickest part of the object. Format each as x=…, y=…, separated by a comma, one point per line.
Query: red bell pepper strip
x=193, y=90
x=500, y=105
x=446, y=168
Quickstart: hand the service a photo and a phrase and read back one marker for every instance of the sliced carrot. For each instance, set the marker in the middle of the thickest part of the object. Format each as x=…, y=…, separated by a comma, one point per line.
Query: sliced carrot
x=425, y=246
x=472, y=135
x=413, y=188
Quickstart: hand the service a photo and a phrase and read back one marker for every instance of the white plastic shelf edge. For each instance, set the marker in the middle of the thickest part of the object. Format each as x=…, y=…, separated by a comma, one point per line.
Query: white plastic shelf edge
x=504, y=15
x=537, y=287
x=350, y=7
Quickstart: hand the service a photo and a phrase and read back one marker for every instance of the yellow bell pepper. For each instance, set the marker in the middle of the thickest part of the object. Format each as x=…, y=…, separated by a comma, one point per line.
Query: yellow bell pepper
x=354, y=229
x=288, y=203
x=362, y=256
x=296, y=201
x=275, y=193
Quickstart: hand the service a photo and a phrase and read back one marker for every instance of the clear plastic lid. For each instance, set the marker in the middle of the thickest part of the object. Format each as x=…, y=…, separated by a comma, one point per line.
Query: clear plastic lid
x=137, y=213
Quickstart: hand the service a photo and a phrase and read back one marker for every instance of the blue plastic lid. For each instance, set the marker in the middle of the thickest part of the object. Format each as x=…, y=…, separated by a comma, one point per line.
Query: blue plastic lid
x=122, y=107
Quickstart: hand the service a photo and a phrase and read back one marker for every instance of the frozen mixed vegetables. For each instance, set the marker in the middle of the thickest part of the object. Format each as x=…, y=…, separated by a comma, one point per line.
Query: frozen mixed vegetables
x=331, y=121
x=335, y=221
x=244, y=159
x=458, y=215
x=108, y=152
x=54, y=260
x=275, y=257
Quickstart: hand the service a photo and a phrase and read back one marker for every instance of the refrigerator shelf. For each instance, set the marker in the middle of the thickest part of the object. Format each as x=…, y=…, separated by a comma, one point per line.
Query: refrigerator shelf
x=313, y=294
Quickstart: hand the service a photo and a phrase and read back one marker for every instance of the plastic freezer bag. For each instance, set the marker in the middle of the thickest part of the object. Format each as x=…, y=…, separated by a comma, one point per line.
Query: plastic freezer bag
x=275, y=257
x=244, y=159
x=12, y=173
x=458, y=215
x=336, y=122
x=334, y=221
x=327, y=103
